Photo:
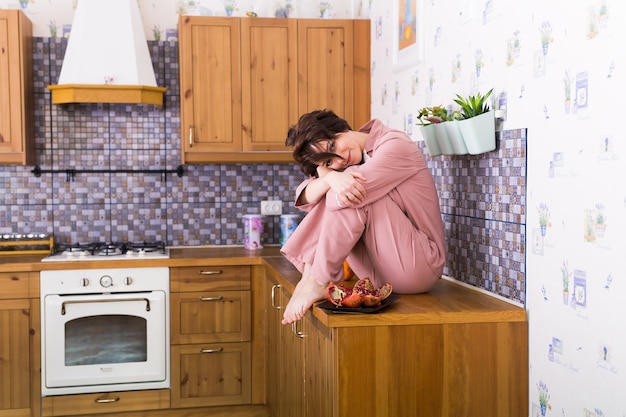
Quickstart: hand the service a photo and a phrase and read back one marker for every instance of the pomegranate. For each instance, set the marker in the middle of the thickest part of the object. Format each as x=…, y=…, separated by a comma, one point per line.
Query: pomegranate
x=362, y=294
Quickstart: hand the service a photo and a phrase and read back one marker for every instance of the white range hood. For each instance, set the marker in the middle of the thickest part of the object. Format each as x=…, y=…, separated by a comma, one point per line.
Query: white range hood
x=107, y=58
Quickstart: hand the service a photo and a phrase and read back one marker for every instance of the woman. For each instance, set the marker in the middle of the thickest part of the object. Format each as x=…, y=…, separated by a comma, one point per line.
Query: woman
x=371, y=200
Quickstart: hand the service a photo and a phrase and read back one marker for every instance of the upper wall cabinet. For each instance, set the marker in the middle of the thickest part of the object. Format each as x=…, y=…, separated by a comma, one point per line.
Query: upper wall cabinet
x=17, y=144
x=244, y=81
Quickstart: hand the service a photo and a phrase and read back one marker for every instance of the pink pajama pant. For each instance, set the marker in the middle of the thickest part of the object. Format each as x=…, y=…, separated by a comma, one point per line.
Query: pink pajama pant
x=378, y=240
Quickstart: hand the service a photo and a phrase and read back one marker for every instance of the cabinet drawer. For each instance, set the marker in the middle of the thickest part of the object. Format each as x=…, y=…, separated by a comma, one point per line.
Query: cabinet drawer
x=113, y=402
x=206, y=317
x=210, y=278
x=13, y=285
x=211, y=374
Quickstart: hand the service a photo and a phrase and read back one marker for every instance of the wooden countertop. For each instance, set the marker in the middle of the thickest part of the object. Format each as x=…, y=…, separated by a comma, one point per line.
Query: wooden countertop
x=179, y=256
x=447, y=302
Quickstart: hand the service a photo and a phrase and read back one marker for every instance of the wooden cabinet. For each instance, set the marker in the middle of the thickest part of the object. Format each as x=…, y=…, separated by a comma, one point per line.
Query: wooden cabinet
x=244, y=81
x=18, y=331
x=299, y=360
x=17, y=144
x=285, y=371
x=451, y=352
x=211, y=336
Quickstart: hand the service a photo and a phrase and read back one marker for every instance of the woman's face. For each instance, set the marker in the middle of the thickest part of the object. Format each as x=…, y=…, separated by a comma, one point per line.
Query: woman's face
x=347, y=146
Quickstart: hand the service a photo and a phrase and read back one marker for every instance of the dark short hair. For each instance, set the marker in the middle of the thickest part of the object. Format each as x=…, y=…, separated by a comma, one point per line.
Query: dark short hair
x=305, y=137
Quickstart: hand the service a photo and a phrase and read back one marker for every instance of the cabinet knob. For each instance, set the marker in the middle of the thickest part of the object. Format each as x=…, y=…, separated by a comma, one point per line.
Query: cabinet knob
x=190, y=136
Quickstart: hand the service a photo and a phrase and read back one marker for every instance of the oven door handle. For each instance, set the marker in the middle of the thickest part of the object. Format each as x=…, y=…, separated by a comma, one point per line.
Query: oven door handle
x=103, y=301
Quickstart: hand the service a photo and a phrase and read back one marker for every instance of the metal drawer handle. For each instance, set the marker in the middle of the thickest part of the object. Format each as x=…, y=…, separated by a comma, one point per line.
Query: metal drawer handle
x=190, y=136
x=219, y=271
x=294, y=330
x=219, y=297
x=274, y=288
x=103, y=301
x=107, y=400
x=218, y=350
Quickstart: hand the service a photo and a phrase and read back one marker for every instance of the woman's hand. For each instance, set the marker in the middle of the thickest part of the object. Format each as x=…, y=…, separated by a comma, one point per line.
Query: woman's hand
x=346, y=185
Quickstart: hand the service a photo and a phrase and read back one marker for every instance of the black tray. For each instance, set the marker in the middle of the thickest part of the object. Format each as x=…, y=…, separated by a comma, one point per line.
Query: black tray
x=327, y=305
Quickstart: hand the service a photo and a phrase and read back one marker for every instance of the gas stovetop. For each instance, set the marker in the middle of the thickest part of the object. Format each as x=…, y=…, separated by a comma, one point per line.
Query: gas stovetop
x=109, y=251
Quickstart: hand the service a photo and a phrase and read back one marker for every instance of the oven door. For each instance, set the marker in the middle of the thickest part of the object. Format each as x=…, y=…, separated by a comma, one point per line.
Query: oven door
x=99, y=340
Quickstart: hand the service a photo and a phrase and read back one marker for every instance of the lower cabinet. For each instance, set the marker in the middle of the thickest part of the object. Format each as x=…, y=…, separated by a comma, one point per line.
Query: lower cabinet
x=211, y=336
x=441, y=367
x=299, y=361
x=18, y=319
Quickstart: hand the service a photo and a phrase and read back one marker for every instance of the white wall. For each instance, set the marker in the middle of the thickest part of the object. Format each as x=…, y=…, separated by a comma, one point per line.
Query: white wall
x=575, y=162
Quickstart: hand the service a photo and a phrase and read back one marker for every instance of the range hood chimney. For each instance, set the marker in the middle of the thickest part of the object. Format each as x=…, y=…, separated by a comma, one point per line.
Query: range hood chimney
x=107, y=58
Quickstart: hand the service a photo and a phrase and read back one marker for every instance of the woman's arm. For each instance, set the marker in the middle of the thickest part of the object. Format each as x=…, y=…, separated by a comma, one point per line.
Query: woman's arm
x=339, y=182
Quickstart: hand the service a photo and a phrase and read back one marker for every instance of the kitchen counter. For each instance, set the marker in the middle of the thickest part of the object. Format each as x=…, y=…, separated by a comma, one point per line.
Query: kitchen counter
x=448, y=302
x=179, y=256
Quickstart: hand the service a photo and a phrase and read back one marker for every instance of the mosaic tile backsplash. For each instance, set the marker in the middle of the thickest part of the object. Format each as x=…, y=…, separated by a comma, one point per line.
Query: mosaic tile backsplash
x=482, y=197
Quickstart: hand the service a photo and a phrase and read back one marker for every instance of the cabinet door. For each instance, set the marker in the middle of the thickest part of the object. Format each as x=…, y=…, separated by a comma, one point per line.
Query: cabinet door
x=269, y=82
x=319, y=369
x=273, y=345
x=15, y=391
x=325, y=66
x=211, y=374
x=291, y=377
x=16, y=95
x=210, y=86
x=205, y=317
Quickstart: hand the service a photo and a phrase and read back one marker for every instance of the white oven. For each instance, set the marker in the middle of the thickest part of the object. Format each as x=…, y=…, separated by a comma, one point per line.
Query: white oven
x=104, y=330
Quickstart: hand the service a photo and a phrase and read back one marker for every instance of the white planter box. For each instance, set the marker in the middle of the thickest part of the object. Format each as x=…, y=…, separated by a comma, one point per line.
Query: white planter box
x=428, y=133
x=456, y=138
x=479, y=133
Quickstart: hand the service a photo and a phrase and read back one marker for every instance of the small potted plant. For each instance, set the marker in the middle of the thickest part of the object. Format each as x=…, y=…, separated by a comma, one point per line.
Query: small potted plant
x=477, y=123
x=434, y=131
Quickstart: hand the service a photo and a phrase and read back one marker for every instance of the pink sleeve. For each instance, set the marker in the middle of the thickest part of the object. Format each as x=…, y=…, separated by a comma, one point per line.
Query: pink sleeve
x=394, y=160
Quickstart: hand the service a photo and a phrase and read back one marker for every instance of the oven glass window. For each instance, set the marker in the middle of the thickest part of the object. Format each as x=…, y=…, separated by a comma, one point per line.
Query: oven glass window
x=103, y=339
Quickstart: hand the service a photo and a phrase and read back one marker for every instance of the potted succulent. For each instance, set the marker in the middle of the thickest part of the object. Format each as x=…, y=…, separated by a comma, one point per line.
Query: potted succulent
x=477, y=123
x=434, y=131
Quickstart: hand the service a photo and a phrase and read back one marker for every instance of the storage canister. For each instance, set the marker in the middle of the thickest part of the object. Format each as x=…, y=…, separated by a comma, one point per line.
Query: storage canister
x=288, y=223
x=253, y=231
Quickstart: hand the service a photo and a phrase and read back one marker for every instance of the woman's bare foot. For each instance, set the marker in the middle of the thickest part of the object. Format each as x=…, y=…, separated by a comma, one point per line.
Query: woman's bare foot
x=306, y=293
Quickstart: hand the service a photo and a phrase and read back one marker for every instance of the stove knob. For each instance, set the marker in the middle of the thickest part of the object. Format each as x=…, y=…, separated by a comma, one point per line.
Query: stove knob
x=106, y=281
x=128, y=281
x=84, y=282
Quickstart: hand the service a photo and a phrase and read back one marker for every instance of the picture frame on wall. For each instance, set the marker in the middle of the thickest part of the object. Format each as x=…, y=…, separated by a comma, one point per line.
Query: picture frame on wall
x=408, y=34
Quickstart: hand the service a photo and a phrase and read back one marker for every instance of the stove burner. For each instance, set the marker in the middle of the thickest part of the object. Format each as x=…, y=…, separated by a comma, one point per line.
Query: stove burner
x=109, y=249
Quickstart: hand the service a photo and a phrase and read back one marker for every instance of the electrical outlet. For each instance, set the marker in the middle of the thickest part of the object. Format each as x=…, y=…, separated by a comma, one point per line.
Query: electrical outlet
x=272, y=207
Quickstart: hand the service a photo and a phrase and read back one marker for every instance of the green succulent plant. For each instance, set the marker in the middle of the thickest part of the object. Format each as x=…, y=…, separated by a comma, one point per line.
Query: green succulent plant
x=473, y=105
x=435, y=114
